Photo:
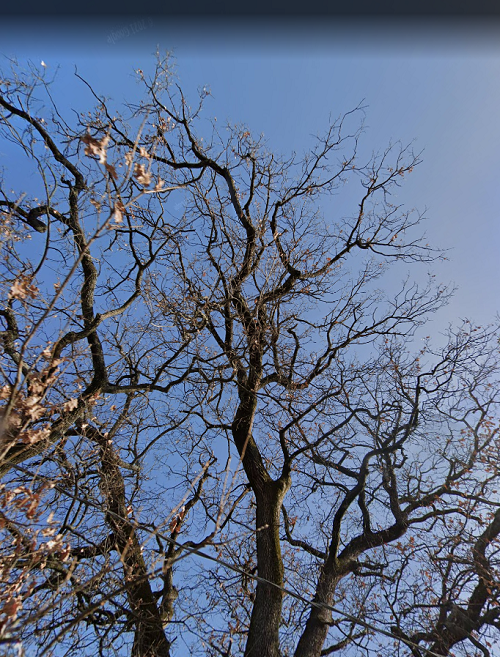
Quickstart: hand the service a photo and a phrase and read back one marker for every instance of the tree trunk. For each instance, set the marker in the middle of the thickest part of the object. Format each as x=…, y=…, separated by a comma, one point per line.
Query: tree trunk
x=263, y=636
x=149, y=637
x=314, y=635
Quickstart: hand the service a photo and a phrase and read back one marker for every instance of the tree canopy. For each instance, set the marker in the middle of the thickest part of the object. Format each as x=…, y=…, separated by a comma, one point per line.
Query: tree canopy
x=219, y=435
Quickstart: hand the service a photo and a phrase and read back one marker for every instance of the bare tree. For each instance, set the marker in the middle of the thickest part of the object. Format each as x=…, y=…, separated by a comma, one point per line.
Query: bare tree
x=229, y=381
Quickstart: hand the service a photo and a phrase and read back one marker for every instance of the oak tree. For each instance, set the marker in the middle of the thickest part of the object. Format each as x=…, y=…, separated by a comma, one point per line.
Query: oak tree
x=218, y=434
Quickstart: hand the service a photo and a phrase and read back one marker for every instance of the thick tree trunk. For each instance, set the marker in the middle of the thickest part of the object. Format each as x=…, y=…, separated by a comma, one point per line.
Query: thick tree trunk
x=314, y=635
x=149, y=637
x=263, y=636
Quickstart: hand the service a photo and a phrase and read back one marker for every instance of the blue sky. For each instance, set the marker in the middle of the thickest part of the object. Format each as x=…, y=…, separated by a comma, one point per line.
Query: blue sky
x=430, y=83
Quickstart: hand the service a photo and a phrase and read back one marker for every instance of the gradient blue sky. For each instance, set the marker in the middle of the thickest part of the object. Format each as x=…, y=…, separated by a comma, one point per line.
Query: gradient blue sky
x=434, y=83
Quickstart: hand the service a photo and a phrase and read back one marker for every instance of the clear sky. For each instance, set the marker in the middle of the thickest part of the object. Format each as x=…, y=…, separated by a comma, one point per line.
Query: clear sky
x=436, y=84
